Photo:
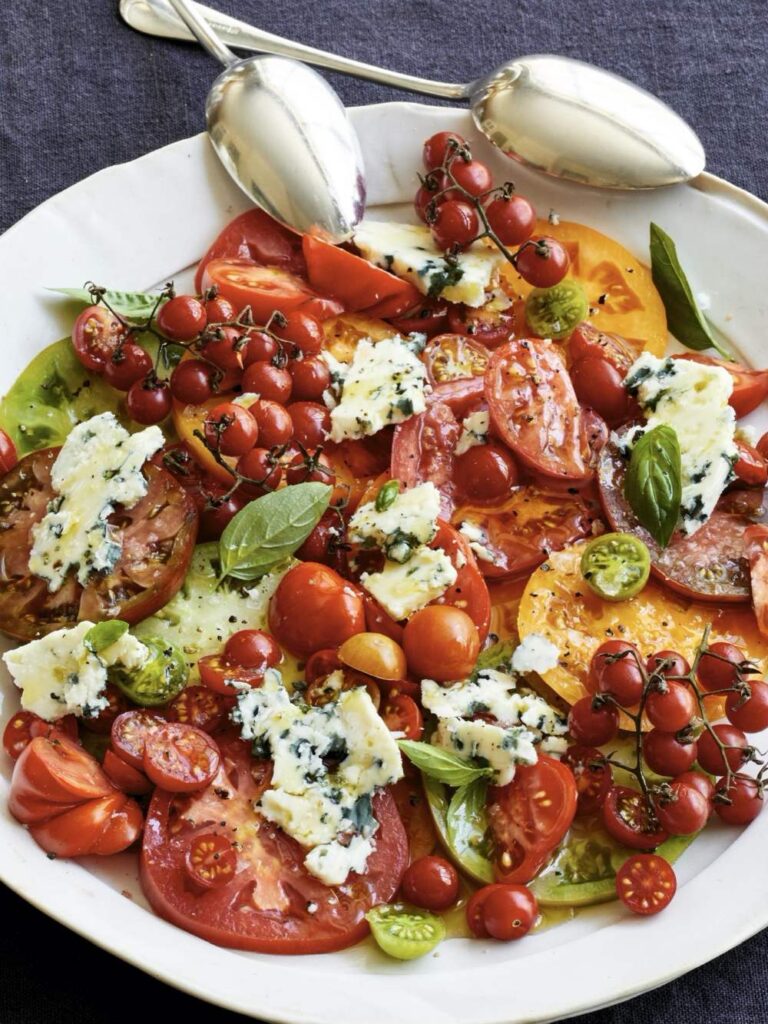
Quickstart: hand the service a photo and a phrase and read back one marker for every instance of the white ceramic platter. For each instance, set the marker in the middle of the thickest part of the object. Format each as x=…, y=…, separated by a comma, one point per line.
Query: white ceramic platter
x=145, y=222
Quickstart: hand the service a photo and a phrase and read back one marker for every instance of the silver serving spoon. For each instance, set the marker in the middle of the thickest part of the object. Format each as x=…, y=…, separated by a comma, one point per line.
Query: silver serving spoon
x=557, y=115
x=284, y=136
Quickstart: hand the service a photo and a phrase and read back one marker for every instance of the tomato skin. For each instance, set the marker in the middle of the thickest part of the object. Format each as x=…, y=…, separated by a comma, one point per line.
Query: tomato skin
x=542, y=262
x=750, y=714
x=438, y=146
x=441, y=642
x=96, y=335
x=751, y=467
x=665, y=754
x=718, y=667
x=487, y=327
x=686, y=813
x=180, y=758
x=355, y=282
x=310, y=377
x=453, y=357
x=474, y=911
x=231, y=429
x=76, y=831
x=220, y=675
x=182, y=318
x=266, y=289
x=402, y=714
x=455, y=225
x=51, y=772
x=646, y=883
x=509, y=912
x=313, y=608
x=671, y=710
x=124, y=777
x=625, y=817
x=22, y=728
x=529, y=817
x=124, y=828
x=148, y=401
x=712, y=759
x=512, y=218
x=700, y=782
x=256, y=236
x=615, y=670
x=268, y=381
x=599, y=384
x=747, y=800
x=485, y=473
x=431, y=883
x=592, y=726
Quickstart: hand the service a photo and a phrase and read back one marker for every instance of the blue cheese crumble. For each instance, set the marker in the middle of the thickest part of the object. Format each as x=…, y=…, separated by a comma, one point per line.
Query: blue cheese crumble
x=478, y=540
x=384, y=384
x=409, y=522
x=402, y=589
x=474, y=431
x=692, y=398
x=328, y=762
x=98, y=468
x=58, y=675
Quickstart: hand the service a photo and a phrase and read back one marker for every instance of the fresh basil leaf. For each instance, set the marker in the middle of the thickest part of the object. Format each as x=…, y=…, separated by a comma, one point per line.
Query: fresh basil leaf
x=442, y=764
x=387, y=495
x=131, y=304
x=104, y=634
x=684, y=318
x=270, y=529
x=466, y=819
x=499, y=656
x=471, y=858
x=653, y=485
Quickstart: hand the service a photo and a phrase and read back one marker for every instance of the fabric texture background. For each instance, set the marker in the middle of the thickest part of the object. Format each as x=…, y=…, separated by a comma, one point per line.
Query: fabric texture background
x=80, y=91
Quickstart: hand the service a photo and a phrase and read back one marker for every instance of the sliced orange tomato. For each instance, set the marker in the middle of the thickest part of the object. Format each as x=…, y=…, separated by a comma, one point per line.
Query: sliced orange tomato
x=342, y=334
x=557, y=604
x=618, y=286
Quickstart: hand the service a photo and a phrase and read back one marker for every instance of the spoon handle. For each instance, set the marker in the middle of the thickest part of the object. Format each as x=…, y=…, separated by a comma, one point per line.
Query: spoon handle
x=157, y=17
x=200, y=29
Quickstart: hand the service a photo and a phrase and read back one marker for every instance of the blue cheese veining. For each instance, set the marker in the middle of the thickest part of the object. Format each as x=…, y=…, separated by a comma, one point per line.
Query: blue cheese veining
x=410, y=521
x=402, y=589
x=692, y=398
x=98, y=468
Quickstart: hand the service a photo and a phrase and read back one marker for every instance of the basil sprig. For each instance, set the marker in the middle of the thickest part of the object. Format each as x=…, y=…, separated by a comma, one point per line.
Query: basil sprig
x=685, y=320
x=131, y=304
x=653, y=484
x=104, y=634
x=442, y=765
x=268, y=530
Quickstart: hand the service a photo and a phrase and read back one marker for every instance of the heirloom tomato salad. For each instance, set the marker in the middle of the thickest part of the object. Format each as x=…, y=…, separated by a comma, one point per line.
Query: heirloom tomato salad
x=410, y=586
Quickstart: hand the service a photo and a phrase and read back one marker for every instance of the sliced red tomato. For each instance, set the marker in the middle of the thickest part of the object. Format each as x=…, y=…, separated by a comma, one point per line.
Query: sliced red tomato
x=256, y=236
x=124, y=828
x=379, y=621
x=711, y=564
x=53, y=773
x=221, y=676
x=129, y=735
x=266, y=289
x=79, y=830
x=201, y=707
x=22, y=728
x=450, y=357
x=488, y=326
x=211, y=860
x=529, y=817
x=756, y=545
x=402, y=714
x=470, y=591
x=422, y=449
x=356, y=283
x=750, y=387
x=646, y=883
x=530, y=524
x=157, y=535
x=534, y=409
x=272, y=904
x=588, y=340
x=180, y=758
x=428, y=316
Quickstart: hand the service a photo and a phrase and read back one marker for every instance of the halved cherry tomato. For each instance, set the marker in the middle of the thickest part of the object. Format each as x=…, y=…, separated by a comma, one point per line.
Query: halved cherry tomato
x=129, y=735
x=80, y=830
x=626, y=819
x=51, y=772
x=488, y=326
x=211, y=860
x=256, y=236
x=96, y=336
x=124, y=828
x=590, y=343
x=422, y=449
x=751, y=468
x=180, y=758
x=355, y=282
x=117, y=704
x=266, y=289
x=428, y=316
x=200, y=706
x=646, y=883
x=314, y=608
x=124, y=776
x=321, y=664
x=401, y=714
x=453, y=357
x=750, y=387
x=22, y=728
x=535, y=411
x=593, y=777
x=530, y=816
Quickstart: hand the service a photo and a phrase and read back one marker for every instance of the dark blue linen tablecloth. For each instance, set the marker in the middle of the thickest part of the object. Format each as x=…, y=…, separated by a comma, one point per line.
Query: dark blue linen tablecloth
x=80, y=91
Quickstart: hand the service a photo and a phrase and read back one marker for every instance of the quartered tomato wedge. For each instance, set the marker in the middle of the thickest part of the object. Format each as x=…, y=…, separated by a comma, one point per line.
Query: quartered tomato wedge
x=82, y=830
x=266, y=289
x=750, y=387
x=402, y=714
x=271, y=904
x=356, y=283
x=158, y=536
x=710, y=565
x=534, y=409
x=470, y=591
x=529, y=817
x=454, y=356
x=255, y=236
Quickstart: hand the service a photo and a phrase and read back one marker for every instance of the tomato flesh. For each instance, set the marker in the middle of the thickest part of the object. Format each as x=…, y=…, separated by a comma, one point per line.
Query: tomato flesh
x=646, y=883
x=180, y=758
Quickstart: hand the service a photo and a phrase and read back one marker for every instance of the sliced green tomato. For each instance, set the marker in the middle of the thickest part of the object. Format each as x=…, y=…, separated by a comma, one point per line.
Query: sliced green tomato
x=616, y=566
x=403, y=933
x=162, y=677
x=556, y=889
x=555, y=312
x=461, y=824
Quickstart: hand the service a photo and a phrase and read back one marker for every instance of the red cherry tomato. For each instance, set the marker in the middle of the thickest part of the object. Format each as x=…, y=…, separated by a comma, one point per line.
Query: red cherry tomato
x=274, y=423
x=211, y=860
x=667, y=664
x=311, y=423
x=201, y=707
x=645, y=883
x=218, y=513
x=182, y=318
x=665, y=754
x=474, y=911
x=593, y=726
x=438, y=146
x=453, y=357
x=485, y=473
x=129, y=735
x=686, y=811
x=252, y=648
x=719, y=666
x=698, y=781
x=626, y=818
x=509, y=912
x=746, y=800
x=219, y=310
x=231, y=429
x=599, y=385
x=593, y=777
x=455, y=225
x=512, y=218
x=588, y=341
x=321, y=664
x=126, y=366
x=266, y=290
x=255, y=236
x=615, y=670
x=488, y=327
x=268, y=381
x=431, y=883
x=715, y=761
x=8, y=455
x=180, y=758
x=310, y=378
x=749, y=712
x=751, y=467
x=671, y=709
x=314, y=466
x=471, y=175
x=262, y=469
x=96, y=335
x=402, y=714
x=314, y=608
x=542, y=262
x=302, y=331
x=223, y=346
x=219, y=674
x=260, y=347
x=192, y=381
x=441, y=642
x=149, y=401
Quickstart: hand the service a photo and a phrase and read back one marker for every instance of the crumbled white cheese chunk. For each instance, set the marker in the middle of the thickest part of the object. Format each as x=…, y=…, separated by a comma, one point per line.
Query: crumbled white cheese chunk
x=403, y=589
x=478, y=541
x=535, y=653
x=474, y=431
x=409, y=522
x=501, y=749
x=98, y=468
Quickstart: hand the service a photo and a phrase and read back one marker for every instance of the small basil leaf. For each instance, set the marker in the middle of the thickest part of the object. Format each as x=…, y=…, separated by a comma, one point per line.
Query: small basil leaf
x=467, y=824
x=685, y=320
x=387, y=495
x=104, y=634
x=138, y=304
x=653, y=485
x=499, y=656
x=442, y=764
x=268, y=530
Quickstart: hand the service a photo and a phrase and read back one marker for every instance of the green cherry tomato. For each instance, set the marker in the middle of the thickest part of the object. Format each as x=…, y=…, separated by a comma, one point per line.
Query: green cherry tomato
x=160, y=679
x=555, y=312
x=405, y=934
x=616, y=566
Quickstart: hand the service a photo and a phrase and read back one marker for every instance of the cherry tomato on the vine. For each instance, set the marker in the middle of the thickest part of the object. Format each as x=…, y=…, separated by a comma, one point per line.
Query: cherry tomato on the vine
x=665, y=754
x=471, y=175
x=542, y=262
x=593, y=726
x=716, y=761
x=311, y=377
x=749, y=713
x=192, y=381
x=615, y=670
x=311, y=423
x=149, y=401
x=746, y=800
x=667, y=664
x=128, y=364
x=268, y=381
x=182, y=318
x=671, y=709
x=231, y=429
x=455, y=225
x=303, y=330
x=96, y=335
x=219, y=310
x=685, y=812
x=719, y=666
x=626, y=817
x=512, y=219
x=274, y=423
x=262, y=469
x=437, y=147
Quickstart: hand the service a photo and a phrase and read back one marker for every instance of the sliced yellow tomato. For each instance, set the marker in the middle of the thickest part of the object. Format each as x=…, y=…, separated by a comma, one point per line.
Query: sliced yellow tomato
x=342, y=334
x=619, y=287
x=558, y=605
x=189, y=418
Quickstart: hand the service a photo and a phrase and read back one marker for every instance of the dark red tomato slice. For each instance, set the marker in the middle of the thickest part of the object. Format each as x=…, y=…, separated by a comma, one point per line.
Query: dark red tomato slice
x=428, y=316
x=254, y=235
x=356, y=283
x=592, y=775
x=756, y=545
x=646, y=883
x=124, y=776
x=180, y=758
x=402, y=714
x=24, y=726
x=470, y=591
x=422, y=449
x=530, y=524
x=211, y=860
x=201, y=707
x=587, y=340
x=129, y=735
x=710, y=565
x=490, y=327
x=76, y=831
x=751, y=467
x=529, y=817
x=450, y=357
x=625, y=816
x=95, y=337
x=534, y=409
x=272, y=904
x=266, y=289
x=750, y=387
x=365, y=456
x=157, y=534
